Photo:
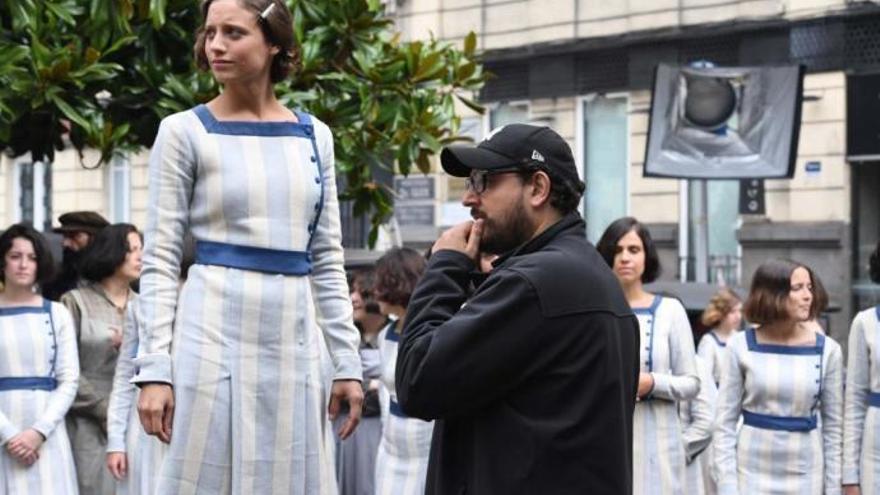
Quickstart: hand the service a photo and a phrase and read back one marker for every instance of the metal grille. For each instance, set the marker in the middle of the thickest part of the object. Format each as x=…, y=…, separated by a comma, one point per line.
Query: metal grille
x=601, y=70
x=509, y=81
x=721, y=50
x=818, y=45
x=862, y=43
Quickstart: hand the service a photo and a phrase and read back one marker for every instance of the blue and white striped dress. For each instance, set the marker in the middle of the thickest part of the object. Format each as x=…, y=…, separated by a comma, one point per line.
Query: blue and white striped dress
x=667, y=352
x=861, y=426
x=783, y=385
x=712, y=350
x=698, y=423
x=402, y=462
x=250, y=415
x=124, y=431
x=37, y=343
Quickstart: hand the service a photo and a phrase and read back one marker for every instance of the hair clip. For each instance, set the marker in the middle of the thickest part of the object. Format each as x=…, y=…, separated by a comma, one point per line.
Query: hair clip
x=265, y=13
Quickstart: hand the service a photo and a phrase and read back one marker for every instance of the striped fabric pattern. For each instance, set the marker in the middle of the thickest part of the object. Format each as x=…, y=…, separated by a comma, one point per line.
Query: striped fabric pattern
x=402, y=462
x=861, y=432
x=26, y=349
x=712, y=351
x=658, y=445
x=250, y=412
x=124, y=431
x=698, y=423
x=781, y=381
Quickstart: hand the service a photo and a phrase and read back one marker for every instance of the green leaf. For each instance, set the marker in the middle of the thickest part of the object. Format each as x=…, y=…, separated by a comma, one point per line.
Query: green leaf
x=470, y=44
x=70, y=112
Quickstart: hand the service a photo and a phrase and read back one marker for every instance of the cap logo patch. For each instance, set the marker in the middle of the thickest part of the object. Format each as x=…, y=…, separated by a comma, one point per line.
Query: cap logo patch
x=536, y=155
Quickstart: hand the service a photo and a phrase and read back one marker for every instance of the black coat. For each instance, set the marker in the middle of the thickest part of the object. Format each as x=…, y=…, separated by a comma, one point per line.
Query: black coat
x=533, y=381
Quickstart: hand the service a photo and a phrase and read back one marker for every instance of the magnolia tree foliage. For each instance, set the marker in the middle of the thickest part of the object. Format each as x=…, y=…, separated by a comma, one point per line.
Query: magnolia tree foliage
x=100, y=74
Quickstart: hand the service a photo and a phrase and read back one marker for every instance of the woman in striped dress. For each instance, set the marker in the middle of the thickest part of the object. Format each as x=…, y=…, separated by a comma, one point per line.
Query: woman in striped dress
x=133, y=457
x=861, y=427
x=668, y=360
x=39, y=372
x=785, y=379
x=723, y=316
x=402, y=463
x=239, y=392
x=698, y=423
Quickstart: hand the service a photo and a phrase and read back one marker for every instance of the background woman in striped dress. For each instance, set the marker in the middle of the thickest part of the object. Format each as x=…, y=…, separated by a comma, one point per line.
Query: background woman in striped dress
x=723, y=316
x=668, y=368
x=786, y=381
x=111, y=263
x=861, y=427
x=255, y=184
x=402, y=463
x=133, y=457
x=39, y=371
x=698, y=420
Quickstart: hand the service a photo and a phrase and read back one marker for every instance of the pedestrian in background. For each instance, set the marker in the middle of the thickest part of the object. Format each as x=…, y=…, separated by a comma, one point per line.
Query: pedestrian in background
x=78, y=230
x=356, y=455
x=786, y=380
x=38, y=372
x=531, y=374
x=241, y=393
x=133, y=457
x=668, y=366
x=402, y=462
x=723, y=317
x=111, y=263
x=861, y=427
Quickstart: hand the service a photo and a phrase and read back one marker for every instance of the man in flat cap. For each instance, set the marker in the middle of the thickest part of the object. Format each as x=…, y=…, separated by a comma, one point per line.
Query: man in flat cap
x=78, y=229
x=532, y=378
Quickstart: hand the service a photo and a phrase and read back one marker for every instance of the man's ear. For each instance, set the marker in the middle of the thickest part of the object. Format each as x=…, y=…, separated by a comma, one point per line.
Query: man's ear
x=540, y=190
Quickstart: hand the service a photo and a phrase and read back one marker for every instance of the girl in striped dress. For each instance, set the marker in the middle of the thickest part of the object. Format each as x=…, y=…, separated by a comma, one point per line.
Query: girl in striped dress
x=39, y=372
x=785, y=380
x=254, y=182
x=668, y=365
x=861, y=431
x=723, y=316
x=402, y=462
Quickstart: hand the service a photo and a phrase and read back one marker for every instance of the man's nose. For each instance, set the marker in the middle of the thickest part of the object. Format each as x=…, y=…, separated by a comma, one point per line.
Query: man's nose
x=470, y=198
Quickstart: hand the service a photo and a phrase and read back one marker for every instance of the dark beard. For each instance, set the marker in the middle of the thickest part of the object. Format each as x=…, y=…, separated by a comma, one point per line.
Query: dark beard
x=70, y=262
x=508, y=232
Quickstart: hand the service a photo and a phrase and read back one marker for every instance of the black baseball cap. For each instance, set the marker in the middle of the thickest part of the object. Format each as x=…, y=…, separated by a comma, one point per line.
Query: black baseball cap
x=510, y=146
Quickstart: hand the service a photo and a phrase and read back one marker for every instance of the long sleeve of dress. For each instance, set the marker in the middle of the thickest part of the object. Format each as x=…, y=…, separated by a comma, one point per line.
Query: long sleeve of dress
x=66, y=372
x=730, y=398
x=172, y=173
x=123, y=394
x=832, y=418
x=88, y=401
x=856, y=404
x=683, y=383
x=698, y=434
x=329, y=287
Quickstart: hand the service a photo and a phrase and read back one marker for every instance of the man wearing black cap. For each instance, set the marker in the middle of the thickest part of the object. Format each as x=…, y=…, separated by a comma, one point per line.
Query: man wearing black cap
x=78, y=229
x=533, y=378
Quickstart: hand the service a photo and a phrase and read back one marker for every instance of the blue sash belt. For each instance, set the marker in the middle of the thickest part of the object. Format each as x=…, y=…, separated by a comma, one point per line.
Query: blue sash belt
x=784, y=423
x=874, y=399
x=397, y=411
x=255, y=259
x=28, y=383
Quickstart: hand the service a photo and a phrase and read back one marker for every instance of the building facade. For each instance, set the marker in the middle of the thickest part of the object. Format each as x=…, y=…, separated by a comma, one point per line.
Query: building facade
x=585, y=68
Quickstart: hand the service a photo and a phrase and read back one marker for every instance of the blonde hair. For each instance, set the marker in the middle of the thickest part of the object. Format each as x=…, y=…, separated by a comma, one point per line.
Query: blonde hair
x=719, y=306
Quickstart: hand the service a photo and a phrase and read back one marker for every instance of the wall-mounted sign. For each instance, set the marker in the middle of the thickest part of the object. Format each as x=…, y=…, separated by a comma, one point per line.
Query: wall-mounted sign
x=751, y=197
